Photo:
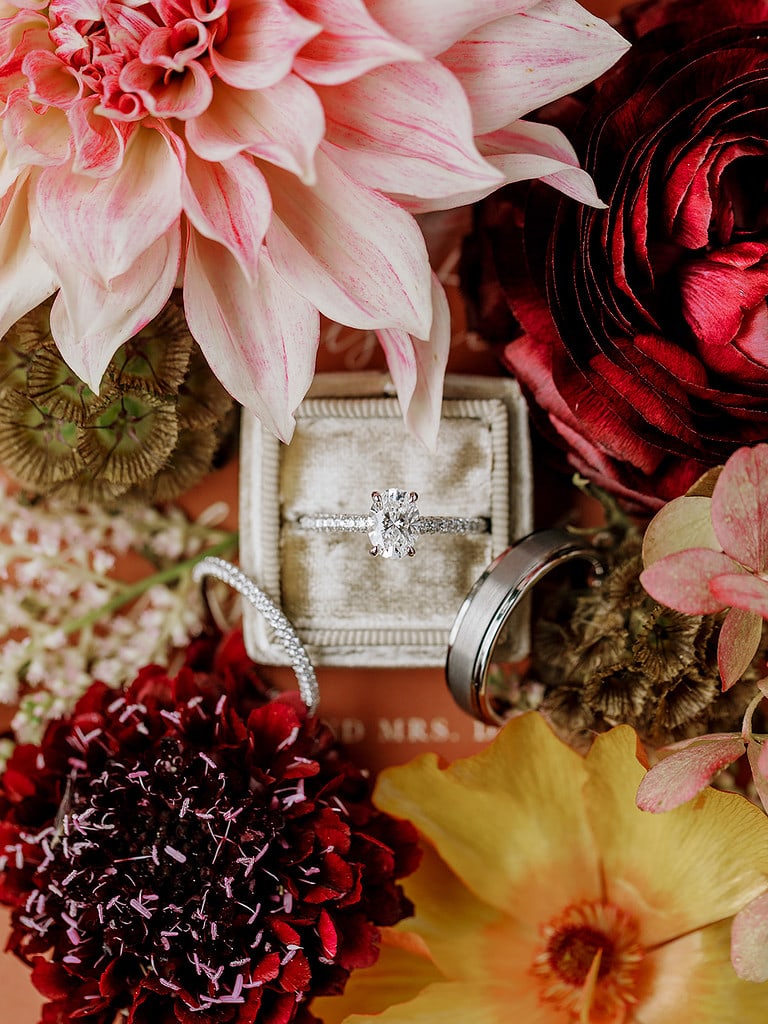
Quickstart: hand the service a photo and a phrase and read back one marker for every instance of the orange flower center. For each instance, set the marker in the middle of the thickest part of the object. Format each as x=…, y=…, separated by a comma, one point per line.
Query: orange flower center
x=589, y=962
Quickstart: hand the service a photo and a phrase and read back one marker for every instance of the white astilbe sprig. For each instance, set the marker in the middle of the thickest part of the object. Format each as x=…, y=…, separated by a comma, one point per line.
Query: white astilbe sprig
x=65, y=620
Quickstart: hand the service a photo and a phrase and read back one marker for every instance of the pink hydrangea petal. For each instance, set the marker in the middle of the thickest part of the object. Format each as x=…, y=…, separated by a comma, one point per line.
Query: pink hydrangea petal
x=741, y=590
x=25, y=278
x=260, y=340
x=104, y=225
x=737, y=644
x=740, y=507
x=350, y=45
x=682, y=580
x=415, y=21
x=89, y=322
x=283, y=124
x=757, y=758
x=417, y=369
x=762, y=761
x=749, y=941
x=407, y=128
x=261, y=43
x=684, y=522
x=513, y=65
x=681, y=775
x=229, y=202
x=359, y=258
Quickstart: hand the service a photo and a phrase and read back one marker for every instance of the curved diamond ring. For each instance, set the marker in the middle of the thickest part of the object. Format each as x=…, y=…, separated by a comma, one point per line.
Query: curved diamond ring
x=489, y=605
x=393, y=523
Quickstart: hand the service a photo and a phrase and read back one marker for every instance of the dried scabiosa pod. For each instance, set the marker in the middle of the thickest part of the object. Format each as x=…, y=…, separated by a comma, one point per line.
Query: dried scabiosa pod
x=611, y=654
x=152, y=432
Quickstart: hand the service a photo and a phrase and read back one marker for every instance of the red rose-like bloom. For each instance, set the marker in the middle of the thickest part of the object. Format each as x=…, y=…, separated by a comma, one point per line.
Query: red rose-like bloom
x=645, y=326
x=184, y=851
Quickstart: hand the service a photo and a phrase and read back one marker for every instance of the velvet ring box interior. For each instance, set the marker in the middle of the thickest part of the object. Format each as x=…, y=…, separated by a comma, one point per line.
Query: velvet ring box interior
x=352, y=609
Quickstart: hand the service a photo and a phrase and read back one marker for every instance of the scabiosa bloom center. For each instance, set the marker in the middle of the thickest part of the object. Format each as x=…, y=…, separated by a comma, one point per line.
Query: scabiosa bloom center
x=205, y=856
x=590, y=953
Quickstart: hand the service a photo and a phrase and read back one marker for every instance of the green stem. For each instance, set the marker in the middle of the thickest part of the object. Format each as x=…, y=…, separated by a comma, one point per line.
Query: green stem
x=135, y=590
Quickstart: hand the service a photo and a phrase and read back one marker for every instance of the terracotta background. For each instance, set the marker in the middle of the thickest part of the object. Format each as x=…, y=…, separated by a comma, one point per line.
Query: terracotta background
x=384, y=716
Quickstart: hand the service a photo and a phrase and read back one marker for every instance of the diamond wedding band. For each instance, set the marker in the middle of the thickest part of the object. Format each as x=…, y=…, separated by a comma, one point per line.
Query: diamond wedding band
x=393, y=523
x=489, y=605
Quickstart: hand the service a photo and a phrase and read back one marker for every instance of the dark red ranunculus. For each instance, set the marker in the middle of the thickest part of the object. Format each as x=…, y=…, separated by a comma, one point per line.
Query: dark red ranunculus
x=641, y=331
x=188, y=850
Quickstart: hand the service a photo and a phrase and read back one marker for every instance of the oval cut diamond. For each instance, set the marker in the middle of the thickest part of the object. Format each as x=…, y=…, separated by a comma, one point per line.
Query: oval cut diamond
x=395, y=518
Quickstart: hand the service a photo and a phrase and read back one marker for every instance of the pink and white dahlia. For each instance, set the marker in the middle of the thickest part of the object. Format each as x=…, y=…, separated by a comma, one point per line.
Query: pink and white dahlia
x=270, y=153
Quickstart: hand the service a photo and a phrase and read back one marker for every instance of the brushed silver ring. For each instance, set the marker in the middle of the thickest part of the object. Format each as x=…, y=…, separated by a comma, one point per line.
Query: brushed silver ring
x=488, y=606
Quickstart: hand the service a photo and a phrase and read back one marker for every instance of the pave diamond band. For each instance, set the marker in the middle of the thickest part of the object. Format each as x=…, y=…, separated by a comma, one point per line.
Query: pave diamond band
x=393, y=523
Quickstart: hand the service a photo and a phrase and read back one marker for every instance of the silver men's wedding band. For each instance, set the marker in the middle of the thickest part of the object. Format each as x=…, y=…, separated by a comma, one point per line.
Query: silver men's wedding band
x=489, y=605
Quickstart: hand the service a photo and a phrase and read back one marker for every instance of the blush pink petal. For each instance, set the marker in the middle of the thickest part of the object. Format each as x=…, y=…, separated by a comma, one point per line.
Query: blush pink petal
x=89, y=322
x=25, y=278
x=183, y=95
x=34, y=135
x=755, y=751
x=407, y=129
x=741, y=590
x=749, y=941
x=681, y=775
x=737, y=644
x=229, y=202
x=683, y=580
x=513, y=65
x=103, y=225
x=350, y=45
x=99, y=143
x=740, y=504
x=260, y=340
x=417, y=369
x=283, y=124
x=262, y=41
x=417, y=23
x=51, y=81
x=355, y=255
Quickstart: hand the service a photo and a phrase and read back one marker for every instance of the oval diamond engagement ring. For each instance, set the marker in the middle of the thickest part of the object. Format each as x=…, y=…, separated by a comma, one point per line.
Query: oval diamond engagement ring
x=393, y=523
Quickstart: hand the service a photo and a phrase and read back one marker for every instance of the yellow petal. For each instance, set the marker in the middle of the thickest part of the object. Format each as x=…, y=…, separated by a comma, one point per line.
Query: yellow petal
x=509, y=821
x=400, y=974
x=679, y=870
x=692, y=979
x=465, y=1003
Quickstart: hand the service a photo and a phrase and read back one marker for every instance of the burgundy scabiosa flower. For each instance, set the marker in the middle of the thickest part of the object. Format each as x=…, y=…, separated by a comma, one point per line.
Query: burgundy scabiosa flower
x=189, y=850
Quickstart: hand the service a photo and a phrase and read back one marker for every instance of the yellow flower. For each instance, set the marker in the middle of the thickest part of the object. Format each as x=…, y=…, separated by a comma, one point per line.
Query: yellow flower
x=546, y=897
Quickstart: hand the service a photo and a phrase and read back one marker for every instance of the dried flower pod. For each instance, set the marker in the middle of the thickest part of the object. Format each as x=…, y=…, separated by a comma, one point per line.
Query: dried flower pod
x=153, y=430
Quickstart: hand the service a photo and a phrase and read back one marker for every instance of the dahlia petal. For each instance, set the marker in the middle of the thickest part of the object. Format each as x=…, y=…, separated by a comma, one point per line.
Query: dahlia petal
x=684, y=522
x=415, y=20
x=25, y=278
x=35, y=136
x=183, y=95
x=679, y=776
x=702, y=881
x=407, y=129
x=739, y=640
x=513, y=65
x=682, y=580
x=104, y=225
x=229, y=202
x=418, y=369
x=283, y=124
x=526, y=150
x=89, y=322
x=350, y=45
x=99, y=143
x=51, y=81
x=739, y=503
x=749, y=941
x=260, y=340
x=262, y=41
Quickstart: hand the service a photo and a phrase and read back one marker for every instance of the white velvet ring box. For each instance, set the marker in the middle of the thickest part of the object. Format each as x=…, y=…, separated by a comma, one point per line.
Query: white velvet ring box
x=348, y=607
